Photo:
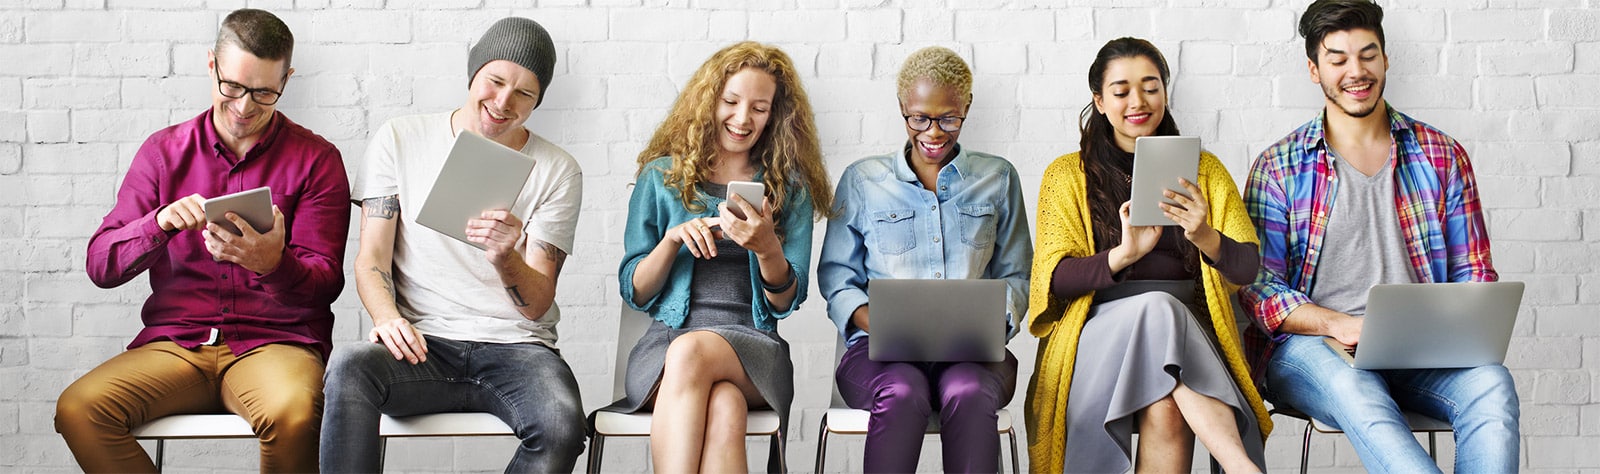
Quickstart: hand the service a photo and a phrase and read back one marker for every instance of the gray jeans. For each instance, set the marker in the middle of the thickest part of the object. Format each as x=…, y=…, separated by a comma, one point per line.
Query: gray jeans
x=526, y=385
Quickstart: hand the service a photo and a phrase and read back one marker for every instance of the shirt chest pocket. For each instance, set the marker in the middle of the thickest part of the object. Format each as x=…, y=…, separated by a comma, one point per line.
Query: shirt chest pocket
x=894, y=231
x=977, y=224
x=286, y=204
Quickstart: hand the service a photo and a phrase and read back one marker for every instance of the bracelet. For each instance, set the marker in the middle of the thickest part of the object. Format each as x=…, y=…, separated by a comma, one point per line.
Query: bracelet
x=781, y=288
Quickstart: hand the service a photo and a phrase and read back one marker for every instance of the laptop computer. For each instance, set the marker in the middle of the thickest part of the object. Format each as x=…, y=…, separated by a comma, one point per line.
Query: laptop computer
x=937, y=320
x=1435, y=326
x=1158, y=162
x=479, y=175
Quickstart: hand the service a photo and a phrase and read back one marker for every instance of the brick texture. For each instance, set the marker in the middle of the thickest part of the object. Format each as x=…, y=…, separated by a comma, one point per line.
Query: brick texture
x=85, y=81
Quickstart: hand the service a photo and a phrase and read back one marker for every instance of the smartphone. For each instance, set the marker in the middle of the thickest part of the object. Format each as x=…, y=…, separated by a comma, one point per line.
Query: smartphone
x=255, y=206
x=751, y=191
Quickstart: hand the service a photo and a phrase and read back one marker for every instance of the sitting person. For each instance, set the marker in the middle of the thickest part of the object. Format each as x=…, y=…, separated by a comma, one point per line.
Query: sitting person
x=716, y=282
x=1136, y=322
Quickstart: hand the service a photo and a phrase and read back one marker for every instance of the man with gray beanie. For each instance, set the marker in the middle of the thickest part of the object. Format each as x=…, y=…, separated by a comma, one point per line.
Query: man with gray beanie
x=455, y=327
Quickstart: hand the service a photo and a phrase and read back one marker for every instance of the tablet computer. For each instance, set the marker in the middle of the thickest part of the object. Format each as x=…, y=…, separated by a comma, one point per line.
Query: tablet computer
x=1158, y=162
x=479, y=175
x=254, y=205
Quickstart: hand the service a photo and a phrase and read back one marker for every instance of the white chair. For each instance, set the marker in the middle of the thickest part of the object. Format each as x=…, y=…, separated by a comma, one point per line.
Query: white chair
x=230, y=426
x=843, y=420
x=605, y=424
x=1419, y=424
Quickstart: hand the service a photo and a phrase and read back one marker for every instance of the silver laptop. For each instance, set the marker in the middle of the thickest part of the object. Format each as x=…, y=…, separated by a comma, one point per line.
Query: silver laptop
x=1435, y=326
x=478, y=176
x=937, y=320
x=1158, y=162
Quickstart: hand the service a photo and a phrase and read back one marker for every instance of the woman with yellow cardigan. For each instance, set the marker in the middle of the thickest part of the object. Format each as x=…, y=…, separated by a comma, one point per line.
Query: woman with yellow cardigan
x=1136, y=322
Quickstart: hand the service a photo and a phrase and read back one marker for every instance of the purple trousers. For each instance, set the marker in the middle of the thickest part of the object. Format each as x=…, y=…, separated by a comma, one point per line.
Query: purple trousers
x=902, y=395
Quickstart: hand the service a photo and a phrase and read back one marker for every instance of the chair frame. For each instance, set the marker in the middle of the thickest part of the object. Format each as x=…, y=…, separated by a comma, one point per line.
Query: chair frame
x=231, y=426
x=630, y=327
x=1419, y=424
x=837, y=407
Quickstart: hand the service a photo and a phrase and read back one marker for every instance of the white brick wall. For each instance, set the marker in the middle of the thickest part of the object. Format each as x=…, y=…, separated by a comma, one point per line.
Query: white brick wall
x=82, y=82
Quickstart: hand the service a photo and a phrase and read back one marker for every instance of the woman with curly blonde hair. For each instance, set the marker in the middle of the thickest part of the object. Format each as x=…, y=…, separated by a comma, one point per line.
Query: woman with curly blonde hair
x=713, y=270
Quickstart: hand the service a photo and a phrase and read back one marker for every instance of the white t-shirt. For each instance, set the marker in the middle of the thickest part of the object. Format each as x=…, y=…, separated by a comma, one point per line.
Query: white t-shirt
x=447, y=288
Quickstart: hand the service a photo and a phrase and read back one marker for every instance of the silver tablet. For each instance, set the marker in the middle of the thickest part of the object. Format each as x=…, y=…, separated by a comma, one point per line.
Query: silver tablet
x=254, y=205
x=1158, y=162
x=478, y=176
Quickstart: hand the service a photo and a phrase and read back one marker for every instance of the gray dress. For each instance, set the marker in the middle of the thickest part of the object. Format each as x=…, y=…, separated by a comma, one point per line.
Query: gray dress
x=719, y=302
x=1132, y=352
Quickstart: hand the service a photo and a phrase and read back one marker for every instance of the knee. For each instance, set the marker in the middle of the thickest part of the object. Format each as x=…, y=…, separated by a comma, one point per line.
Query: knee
x=352, y=361
x=686, y=357
x=77, y=406
x=1496, y=395
x=902, y=388
x=966, y=387
x=289, y=413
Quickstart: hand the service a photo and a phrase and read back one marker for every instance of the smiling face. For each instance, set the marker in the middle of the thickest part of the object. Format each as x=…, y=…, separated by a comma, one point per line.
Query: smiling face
x=1350, y=67
x=243, y=118
x=743, y=110
x=933, y=146
x=502, y=95
x=1133, y=99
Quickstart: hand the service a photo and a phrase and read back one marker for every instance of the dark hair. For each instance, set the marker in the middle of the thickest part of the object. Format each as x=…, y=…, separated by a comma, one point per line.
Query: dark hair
x=1105, y=173
x=257, y=32
x=1329, y=16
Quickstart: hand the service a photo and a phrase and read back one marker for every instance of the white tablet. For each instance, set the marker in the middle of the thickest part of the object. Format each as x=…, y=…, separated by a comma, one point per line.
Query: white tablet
x=254, y=205
x=478, y=176
x=1158, y=162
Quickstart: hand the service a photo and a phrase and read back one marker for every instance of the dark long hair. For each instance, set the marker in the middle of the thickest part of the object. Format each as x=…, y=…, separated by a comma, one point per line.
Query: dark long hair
x=1105, y=171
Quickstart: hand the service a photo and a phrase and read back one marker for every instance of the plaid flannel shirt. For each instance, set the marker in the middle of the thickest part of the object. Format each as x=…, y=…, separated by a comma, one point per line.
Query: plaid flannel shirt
x=1291, y=189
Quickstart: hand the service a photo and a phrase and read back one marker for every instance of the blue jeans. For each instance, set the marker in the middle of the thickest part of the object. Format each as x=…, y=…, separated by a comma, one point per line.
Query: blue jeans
x=528, y=386
x=1480, y=403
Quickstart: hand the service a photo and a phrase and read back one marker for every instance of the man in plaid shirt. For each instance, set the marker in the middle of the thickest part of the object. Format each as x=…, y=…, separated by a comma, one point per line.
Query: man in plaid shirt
x=1360, y=196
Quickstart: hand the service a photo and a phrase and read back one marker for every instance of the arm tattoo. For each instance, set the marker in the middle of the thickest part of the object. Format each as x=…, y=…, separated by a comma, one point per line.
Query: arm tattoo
x=385, y=207
x=554, y=253
x=388, y=280
x=516, y=296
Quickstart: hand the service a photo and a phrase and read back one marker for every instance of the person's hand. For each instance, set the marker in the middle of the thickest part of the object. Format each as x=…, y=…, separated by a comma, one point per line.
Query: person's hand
x=498, y=232
x=183, y=214
x=697, y=234
x=1190, y=212
x=1346, y=329
x=403, y=341
x=755, y=231
x=859, y=318
x=1137, y=240
x=254, y=251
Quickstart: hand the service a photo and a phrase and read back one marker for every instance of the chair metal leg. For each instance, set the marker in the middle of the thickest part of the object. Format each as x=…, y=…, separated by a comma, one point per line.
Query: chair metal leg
x=1216, y=467
x=1016, y=465
x=1305, y=448
x=1433, y=450
x=597, y=447
x=782, y=450
x=161, y=452
x=822, y=444
x=383, y=451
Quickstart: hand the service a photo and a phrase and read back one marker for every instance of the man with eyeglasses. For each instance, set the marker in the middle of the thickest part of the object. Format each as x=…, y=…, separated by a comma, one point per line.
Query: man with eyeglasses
x=235, y=322
x=934, y=210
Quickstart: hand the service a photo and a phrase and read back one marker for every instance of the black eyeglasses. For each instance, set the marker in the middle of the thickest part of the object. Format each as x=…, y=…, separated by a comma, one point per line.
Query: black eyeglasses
x=921, y=123
x=234, y=90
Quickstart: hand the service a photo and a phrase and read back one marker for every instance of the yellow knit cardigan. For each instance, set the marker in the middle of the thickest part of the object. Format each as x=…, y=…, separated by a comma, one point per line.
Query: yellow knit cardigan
x=1064, y=231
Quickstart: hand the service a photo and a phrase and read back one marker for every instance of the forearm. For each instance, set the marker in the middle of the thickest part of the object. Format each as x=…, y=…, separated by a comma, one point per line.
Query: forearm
x=119, y=254
x=650, y=275
x=1313, y=320
x=529, y=290
x=776, y=272
x=375, y=286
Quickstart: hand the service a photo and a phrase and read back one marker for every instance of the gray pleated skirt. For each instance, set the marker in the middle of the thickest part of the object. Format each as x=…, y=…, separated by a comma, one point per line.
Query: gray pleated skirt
x=1131, y=354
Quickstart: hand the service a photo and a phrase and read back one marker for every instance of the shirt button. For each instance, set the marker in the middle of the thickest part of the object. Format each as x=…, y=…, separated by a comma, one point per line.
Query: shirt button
x=933, y=208
x=938, y=275
x=224, y=310
x=891, y=215
x=936, y=240
x=224, y=276
x=944, y=188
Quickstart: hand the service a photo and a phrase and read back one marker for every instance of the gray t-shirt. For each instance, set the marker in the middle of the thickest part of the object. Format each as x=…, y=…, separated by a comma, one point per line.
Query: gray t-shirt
x=1363, y=245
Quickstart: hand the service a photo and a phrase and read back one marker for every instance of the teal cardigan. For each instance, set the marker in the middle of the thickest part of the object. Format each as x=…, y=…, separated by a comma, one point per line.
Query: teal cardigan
x=654, y=208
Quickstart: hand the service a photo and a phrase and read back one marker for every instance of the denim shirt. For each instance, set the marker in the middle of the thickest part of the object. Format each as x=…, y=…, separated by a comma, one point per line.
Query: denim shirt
x=654, y=208
x=888, y=226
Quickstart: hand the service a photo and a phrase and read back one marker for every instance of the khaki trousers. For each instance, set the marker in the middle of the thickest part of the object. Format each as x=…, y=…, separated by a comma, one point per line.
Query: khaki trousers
x=276, y=387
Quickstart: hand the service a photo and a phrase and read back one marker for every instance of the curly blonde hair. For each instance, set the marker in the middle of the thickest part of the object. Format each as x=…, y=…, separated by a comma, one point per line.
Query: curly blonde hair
x=787, y=150
x=940, y=65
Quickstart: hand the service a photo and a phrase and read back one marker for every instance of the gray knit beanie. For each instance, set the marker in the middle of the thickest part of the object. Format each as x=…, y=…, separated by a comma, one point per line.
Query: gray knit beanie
x=518, y=40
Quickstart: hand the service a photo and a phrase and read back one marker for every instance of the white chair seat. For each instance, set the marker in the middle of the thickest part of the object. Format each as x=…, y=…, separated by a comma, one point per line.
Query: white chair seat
x=443, y=424
x=1419, y=424
x=759, y=422
x=226, y=425
x=854, y=422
